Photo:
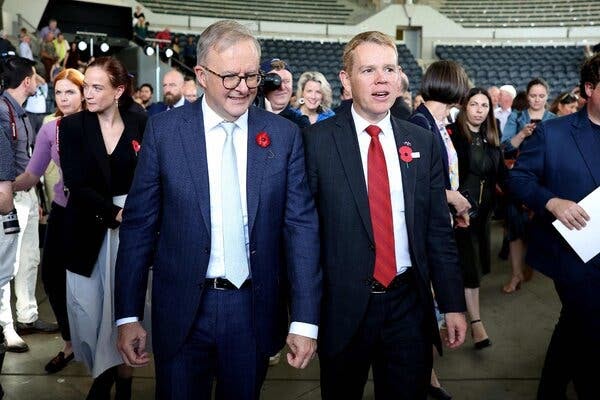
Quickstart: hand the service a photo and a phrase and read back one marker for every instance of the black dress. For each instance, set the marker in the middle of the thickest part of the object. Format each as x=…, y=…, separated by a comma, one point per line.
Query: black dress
x=480, y=167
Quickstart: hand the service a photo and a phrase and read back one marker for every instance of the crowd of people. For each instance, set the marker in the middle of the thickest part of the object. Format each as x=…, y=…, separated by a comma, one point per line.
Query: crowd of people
x=367, y=226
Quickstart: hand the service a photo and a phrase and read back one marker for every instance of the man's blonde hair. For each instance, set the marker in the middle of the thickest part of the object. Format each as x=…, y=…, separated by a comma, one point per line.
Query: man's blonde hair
x=375, y=37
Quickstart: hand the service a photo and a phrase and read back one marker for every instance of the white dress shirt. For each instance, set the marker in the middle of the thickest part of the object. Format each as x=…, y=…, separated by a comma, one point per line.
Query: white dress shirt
x=215, y=138
x=392, y=161
x=502, y=116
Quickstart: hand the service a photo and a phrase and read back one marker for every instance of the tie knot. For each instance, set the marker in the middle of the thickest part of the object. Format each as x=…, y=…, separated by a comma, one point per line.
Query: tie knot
x=228, y=127
x=373, y=130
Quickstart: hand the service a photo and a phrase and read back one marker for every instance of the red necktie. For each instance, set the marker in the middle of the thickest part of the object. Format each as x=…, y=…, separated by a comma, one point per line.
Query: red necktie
x=380, y=207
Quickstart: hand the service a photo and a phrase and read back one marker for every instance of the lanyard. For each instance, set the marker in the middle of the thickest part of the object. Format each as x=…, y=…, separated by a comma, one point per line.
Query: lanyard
x=11, y=116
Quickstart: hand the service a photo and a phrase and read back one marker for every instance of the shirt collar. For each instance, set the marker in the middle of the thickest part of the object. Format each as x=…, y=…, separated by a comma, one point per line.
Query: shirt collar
x=212, y=119
x=361, y=124
x=179, y=103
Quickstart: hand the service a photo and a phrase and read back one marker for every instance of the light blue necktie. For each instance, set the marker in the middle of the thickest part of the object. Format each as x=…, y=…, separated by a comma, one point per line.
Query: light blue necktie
x=234, y=239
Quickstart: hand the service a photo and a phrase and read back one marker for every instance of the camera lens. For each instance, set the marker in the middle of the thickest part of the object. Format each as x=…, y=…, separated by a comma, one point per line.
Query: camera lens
x=271, y=82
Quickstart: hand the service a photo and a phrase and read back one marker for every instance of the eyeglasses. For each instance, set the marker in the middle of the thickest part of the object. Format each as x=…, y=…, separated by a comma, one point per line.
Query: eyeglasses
x=232, y=81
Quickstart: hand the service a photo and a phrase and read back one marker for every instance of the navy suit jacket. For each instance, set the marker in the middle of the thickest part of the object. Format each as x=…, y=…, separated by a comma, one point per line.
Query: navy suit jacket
x=159, y=107
x=422, y=117
x=166, y=224
x=560, y=160
x=337, y=180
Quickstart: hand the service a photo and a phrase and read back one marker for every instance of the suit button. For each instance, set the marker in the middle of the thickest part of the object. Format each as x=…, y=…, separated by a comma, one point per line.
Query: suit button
x=253, y=252
x=206, y=250
x=99, y=219
x=371, y=247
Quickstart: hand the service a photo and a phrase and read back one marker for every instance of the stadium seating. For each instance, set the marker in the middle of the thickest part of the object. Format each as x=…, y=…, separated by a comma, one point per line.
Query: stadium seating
x=305, y=11
x=519, y=13
x=517, y=65
x=325, y=57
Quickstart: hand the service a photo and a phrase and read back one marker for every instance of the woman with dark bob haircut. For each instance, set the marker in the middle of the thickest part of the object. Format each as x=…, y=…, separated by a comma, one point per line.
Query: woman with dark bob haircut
x=443, y=86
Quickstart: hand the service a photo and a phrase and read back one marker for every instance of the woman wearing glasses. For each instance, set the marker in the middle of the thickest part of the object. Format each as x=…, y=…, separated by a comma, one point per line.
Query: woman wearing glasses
x=98, y=154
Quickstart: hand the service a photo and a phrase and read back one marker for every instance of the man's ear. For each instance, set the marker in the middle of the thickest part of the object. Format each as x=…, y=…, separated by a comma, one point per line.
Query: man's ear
x=345, y=79
x=200, y=76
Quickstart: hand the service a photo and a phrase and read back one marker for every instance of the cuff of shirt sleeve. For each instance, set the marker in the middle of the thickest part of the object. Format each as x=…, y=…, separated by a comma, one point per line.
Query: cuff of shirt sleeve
x=304, y=329
x=123, y=321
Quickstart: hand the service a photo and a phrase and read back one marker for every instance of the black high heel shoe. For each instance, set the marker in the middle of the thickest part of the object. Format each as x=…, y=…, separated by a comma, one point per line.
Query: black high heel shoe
x=438, y=393
x=482, y=344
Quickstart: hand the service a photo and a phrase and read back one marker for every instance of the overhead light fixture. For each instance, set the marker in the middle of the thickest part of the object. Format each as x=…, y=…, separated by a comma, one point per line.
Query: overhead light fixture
x=149, y=50
x=104, y=47
x=169, y=52
x=82, y=45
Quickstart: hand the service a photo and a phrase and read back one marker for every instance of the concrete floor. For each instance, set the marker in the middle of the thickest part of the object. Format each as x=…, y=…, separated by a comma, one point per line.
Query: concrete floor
x=519, y=325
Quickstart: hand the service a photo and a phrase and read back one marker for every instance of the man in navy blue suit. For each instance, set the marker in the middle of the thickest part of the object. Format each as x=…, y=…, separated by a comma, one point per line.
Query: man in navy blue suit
x=558, y=166
x=172, y=85
x=220, y=207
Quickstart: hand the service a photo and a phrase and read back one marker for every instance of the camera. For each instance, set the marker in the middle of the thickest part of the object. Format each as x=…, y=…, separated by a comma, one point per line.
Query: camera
x=10, y=223
x=270, y=82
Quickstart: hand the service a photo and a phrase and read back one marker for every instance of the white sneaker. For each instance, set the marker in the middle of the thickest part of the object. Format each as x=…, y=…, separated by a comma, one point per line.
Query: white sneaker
x=274, y=360
x=14, y=343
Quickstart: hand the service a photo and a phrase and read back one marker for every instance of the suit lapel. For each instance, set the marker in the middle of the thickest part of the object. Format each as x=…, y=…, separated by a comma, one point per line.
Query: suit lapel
x=93, y=134
x=191, y=131
x=346, y=141
x=255, y=166
x=588, y=143
x=409, y=175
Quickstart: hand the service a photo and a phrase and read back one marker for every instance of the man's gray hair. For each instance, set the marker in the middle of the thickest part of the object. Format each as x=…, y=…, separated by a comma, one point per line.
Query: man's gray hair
x=220, y=36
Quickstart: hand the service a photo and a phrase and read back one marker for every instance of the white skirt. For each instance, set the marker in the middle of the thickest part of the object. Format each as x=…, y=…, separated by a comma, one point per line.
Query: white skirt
x=90, y=306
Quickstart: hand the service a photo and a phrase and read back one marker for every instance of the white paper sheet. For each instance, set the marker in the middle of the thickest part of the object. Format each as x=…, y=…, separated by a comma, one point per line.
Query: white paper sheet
x=585, y=242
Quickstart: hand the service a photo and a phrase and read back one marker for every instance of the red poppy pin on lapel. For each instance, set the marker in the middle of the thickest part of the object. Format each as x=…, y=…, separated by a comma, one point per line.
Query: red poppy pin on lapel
x=263, y=139
x=136, y=146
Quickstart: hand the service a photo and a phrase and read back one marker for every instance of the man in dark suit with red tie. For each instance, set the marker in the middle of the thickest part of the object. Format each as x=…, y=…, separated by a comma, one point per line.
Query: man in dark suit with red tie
x=385, y=237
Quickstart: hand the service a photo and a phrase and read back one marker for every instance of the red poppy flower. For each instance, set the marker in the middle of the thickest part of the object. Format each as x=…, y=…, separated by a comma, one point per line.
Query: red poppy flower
x=263, y=139
x=405, y=153
x=136, y=146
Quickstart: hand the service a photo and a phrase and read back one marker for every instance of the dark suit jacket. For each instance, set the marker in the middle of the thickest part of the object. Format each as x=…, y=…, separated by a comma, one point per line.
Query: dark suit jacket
x=86, y=174
x=336, y=178
x=159, y=107
x=560, y=160
x=166, y=224
x=422, y=117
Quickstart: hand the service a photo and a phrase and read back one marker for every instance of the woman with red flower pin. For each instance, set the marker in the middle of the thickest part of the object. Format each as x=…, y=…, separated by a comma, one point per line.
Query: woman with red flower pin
x=68, y=92
x=98, y=154
x=481, y=167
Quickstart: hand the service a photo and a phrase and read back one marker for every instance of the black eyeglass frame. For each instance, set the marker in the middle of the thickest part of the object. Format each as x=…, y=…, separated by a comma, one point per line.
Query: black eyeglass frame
x=238, y=78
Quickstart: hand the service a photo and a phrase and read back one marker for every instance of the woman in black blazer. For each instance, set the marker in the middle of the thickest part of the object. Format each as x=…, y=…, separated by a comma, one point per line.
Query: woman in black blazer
x=481, y=167
x=98, y=153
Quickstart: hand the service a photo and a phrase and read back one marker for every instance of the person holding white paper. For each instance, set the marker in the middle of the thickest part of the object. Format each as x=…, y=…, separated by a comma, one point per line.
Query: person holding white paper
x=558, y=166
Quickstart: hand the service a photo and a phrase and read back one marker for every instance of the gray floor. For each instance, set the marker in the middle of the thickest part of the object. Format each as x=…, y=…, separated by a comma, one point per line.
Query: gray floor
x=519, y=325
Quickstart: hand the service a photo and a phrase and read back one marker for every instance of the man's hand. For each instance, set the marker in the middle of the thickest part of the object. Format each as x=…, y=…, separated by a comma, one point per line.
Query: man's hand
x=462, y=220
x=302, y=350
x=568, y=212
x=456, y=329
x=132, y=344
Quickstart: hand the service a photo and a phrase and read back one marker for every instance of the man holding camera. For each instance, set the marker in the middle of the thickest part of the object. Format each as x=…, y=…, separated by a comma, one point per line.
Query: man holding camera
x=19, y=82
x=278, y=87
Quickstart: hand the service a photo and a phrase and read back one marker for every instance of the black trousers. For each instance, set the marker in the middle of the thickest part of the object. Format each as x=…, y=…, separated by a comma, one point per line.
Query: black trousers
x=574, y=341
x=394, y=340
x=54, y=275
